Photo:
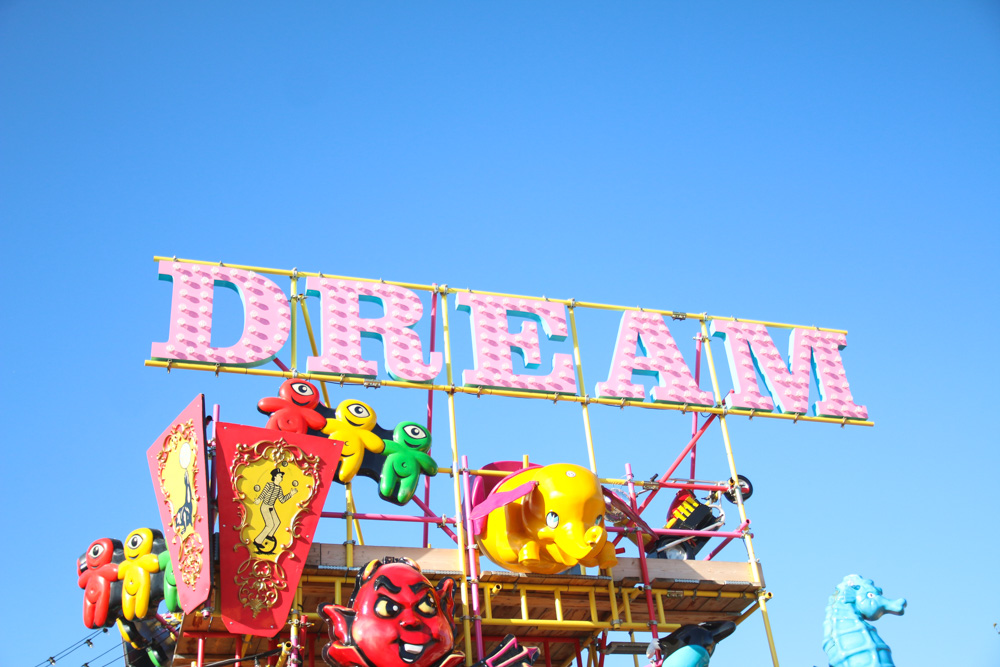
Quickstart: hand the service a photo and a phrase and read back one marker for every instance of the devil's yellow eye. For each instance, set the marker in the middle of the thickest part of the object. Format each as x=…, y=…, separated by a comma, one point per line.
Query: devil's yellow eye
x=387, y=608
x=427, y=606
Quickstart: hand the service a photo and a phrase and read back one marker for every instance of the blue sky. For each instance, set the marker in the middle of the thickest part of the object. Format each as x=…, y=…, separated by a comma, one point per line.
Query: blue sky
x=817, y=163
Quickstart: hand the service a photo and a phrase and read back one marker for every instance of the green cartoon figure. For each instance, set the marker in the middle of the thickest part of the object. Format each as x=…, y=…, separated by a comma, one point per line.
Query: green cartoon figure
x=405, y=460
x=169, y=583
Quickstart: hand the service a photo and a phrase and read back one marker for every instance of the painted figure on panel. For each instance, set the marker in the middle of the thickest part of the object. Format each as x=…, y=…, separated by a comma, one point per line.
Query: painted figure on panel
x=269, y=495
x=184, y=516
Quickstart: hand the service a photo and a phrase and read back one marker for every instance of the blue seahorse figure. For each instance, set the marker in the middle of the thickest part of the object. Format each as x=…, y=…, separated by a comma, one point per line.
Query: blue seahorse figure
x=848, y=638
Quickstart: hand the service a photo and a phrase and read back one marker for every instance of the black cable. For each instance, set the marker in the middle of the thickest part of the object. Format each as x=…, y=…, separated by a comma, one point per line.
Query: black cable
x=114, y=660
x=105, y=653
x=72, y=647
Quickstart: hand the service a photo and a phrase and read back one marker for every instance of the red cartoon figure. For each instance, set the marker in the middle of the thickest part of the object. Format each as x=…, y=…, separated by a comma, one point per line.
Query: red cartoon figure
x=294, y=409
x=97, y=575
x=396, y=618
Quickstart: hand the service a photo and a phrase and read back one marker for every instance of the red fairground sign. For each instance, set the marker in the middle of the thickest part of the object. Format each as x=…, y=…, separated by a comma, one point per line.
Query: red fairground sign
x=177, y=465
x=272, y=486
x=644, y=345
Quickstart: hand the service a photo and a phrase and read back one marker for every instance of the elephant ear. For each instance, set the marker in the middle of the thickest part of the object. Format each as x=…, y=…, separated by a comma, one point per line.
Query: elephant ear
x=496, y=500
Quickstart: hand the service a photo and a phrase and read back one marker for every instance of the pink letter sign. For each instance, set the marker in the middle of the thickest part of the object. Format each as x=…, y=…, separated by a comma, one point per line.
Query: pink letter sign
x=658, y=357
x=344, y=327
x=749, y=346
x=492, y=343
x=266, y=319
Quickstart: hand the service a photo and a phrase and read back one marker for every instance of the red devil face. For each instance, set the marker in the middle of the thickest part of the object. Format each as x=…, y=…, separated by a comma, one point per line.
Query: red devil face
x=396, y=619
x=300, y=393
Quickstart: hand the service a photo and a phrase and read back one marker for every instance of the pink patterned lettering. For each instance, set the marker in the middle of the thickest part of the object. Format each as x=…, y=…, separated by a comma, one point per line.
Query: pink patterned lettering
x=657, y=357
x=343, y=328
x=266, y=319
x=493, y=342
x=750, y=350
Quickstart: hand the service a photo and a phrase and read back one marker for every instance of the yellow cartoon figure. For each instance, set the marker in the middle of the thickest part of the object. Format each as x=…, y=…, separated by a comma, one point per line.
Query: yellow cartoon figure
x=352, y=425
x=142, y=547
x=544, y=520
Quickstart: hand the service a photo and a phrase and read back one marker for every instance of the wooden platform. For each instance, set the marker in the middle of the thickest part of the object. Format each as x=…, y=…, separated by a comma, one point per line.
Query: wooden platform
x=562, y=608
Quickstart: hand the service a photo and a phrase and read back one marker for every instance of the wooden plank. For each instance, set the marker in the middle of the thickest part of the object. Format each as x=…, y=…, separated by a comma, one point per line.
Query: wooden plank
x=435, y=560
x=667, y=568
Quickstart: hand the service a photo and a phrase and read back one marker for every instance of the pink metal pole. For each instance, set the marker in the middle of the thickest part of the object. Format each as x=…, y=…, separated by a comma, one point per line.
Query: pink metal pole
x=201, y=652
x=280, y=364
x=473, y=569
x=428, y=512
x=430, y=413
x=646, y=587
x=694, y=415
x=677, y=462
x=388, y=517
x=679, y=533
x=743, y=526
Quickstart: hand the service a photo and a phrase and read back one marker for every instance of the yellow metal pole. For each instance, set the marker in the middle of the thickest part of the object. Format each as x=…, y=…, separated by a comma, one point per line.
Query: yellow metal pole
x=353, y=510
x=747, y=540
x=312, y=344
x=618, y=403
x=701, y=317
x=582, y=388
x=459, y=525
x=292, y=302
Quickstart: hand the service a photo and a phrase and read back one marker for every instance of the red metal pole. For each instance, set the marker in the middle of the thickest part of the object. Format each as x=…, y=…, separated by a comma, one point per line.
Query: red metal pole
x=548, y=653
x=430, y=413
x=579, y=652
x=677, y=462
x=726, y=541
x=201, y=652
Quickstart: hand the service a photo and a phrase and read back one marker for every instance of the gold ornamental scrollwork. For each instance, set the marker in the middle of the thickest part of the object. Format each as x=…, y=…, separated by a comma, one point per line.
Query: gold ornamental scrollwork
x=259, y=582
x=189, y=557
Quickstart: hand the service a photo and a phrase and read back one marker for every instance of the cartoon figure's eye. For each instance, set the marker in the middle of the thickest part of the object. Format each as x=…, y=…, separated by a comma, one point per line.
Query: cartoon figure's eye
x=387, y=608
x=96, y=550
x=415, y=432
x=359, y=411
x=599, y=520
x=303, y=389
x=871, y=595
x=427, y=606
x=551, y=519
x=135, y=541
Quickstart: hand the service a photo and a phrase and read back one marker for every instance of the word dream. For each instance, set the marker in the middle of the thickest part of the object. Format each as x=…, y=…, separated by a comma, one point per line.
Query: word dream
x=644, y=344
